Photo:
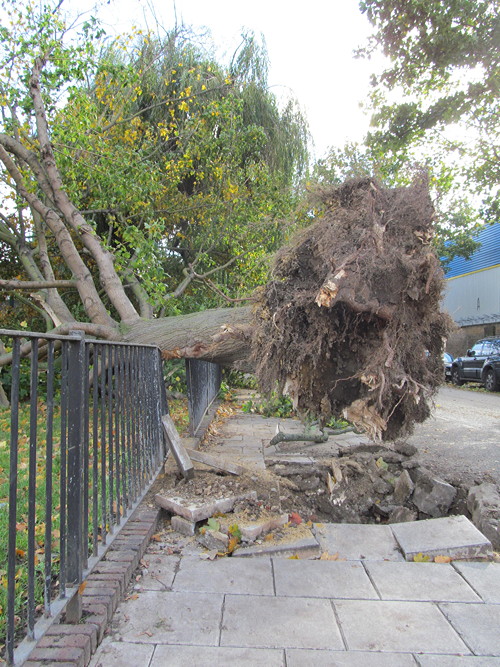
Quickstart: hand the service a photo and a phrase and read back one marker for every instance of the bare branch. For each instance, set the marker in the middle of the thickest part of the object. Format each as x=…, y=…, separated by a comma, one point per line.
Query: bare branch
x=36, y=284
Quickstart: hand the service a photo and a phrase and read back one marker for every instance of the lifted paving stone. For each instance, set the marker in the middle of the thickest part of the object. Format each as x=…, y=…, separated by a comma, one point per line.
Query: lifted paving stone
x=357, y=541
x=305, y=547
x=420, y=581
x=322, y=578
x=453, y=536
x=371, y=625
x=279, y=622
x=198, y=511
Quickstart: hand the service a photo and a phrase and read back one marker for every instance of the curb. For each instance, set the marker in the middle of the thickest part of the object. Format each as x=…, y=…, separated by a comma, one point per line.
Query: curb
x=105, y=587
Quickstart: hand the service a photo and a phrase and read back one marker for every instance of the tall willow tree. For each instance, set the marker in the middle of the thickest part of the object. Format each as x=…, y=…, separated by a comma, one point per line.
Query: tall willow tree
x=144, y=178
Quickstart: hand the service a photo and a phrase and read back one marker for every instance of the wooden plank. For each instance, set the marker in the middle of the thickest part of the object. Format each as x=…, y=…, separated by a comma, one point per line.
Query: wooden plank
x=178, y=450
x=216, y=462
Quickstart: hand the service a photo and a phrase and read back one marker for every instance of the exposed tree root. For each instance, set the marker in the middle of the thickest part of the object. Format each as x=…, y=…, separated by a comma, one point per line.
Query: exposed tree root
x=351, y=322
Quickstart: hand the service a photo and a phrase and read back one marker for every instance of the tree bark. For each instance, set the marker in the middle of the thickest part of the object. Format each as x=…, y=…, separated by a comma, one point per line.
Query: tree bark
x=221, y=335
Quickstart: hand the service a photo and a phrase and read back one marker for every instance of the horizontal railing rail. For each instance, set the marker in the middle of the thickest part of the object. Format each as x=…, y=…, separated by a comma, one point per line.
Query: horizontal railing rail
x=76, y=458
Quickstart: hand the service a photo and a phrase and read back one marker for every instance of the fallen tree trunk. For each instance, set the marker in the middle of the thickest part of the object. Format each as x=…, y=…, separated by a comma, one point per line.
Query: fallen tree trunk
x=350, y=322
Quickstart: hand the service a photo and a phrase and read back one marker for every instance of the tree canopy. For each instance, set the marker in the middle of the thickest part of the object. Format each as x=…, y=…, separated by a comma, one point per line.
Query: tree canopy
x=141, y=169
x=438, y=100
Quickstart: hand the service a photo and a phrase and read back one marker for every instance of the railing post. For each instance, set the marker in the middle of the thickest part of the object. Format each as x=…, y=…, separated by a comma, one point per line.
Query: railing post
x=76, y=358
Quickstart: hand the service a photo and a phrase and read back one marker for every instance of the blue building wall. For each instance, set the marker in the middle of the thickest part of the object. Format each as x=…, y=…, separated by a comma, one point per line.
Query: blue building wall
x=473, y=285
x=487, y=256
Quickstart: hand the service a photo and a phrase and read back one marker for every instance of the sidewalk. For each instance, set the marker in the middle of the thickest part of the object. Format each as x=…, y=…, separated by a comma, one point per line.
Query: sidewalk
x=370, y=607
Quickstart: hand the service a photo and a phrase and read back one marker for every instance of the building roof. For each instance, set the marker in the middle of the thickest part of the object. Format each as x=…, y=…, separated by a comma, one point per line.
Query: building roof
x=487, y=256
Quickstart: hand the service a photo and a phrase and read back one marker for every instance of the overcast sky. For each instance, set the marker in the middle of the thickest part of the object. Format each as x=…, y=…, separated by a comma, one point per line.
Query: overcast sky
x=310, y=47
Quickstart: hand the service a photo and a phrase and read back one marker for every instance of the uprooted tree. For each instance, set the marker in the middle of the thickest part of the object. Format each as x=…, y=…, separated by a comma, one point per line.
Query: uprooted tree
x=349, y=320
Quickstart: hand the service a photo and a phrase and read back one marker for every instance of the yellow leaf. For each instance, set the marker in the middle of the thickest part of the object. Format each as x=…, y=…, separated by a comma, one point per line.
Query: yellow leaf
x=420, y=558
x=293, y=557
x=442, y=559
x=233, y=543
x=326, y=556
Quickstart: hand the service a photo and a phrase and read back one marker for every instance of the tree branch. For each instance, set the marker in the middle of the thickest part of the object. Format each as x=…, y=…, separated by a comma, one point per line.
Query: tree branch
x=36, y=284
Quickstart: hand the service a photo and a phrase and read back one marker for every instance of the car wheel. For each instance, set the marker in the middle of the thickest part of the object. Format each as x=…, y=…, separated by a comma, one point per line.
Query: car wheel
x=455, y=377
x=490, y=380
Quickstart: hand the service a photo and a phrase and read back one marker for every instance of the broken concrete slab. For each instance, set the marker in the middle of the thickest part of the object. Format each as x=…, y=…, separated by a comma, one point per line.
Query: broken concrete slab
x=433, y=496
x=177, y=448
x=483, y=502
x=252, y=529
x=216, y=462
x=183, y=526
x=305, y=546
x=213, y=540
x=404, y=488
x=453, y=536
x=200, y=510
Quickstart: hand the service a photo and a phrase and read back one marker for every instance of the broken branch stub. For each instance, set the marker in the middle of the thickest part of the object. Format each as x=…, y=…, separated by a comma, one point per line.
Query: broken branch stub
x=351, y=323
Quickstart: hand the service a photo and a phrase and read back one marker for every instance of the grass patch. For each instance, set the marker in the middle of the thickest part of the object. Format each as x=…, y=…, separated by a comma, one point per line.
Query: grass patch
x=21, y=576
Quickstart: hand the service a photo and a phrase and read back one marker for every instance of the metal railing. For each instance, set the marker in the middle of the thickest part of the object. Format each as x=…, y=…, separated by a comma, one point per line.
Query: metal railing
x=203, y=379
x=82, y=453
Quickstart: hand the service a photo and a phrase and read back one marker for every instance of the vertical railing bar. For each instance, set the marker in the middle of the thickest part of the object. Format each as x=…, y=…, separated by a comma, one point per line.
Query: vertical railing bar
x=14, y=442
x=48, y=480
x=86, y=455
x=134, y=415
x=62, y=490
x=123, y=429
x=110, y=439
x=76, y=383
x=32, y=488
x=118, y=390
x=95, y=447
x=128, y=408
x=104, y=506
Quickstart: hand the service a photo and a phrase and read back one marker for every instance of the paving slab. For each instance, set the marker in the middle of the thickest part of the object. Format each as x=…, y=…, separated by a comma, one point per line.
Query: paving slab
x=199, y=510
x=322, y=578
x=180, y=656
x=121, y=654
x=305, y=547
x=279, y=622
x=483, y=577
x=457, y=661
x=358, y=541
x=478, y=625
x=171, y=618
x=453, y=536
x=302, y=658
x=420, y=581
x=159, y=572
x=371, y=625
x=226, y=575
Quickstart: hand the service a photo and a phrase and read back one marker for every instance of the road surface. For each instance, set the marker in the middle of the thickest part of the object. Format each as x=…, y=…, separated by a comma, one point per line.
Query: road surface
x=461, y=441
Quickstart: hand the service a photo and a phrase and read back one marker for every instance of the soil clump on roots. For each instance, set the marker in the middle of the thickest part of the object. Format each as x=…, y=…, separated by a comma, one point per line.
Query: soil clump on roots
x=350, y=322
